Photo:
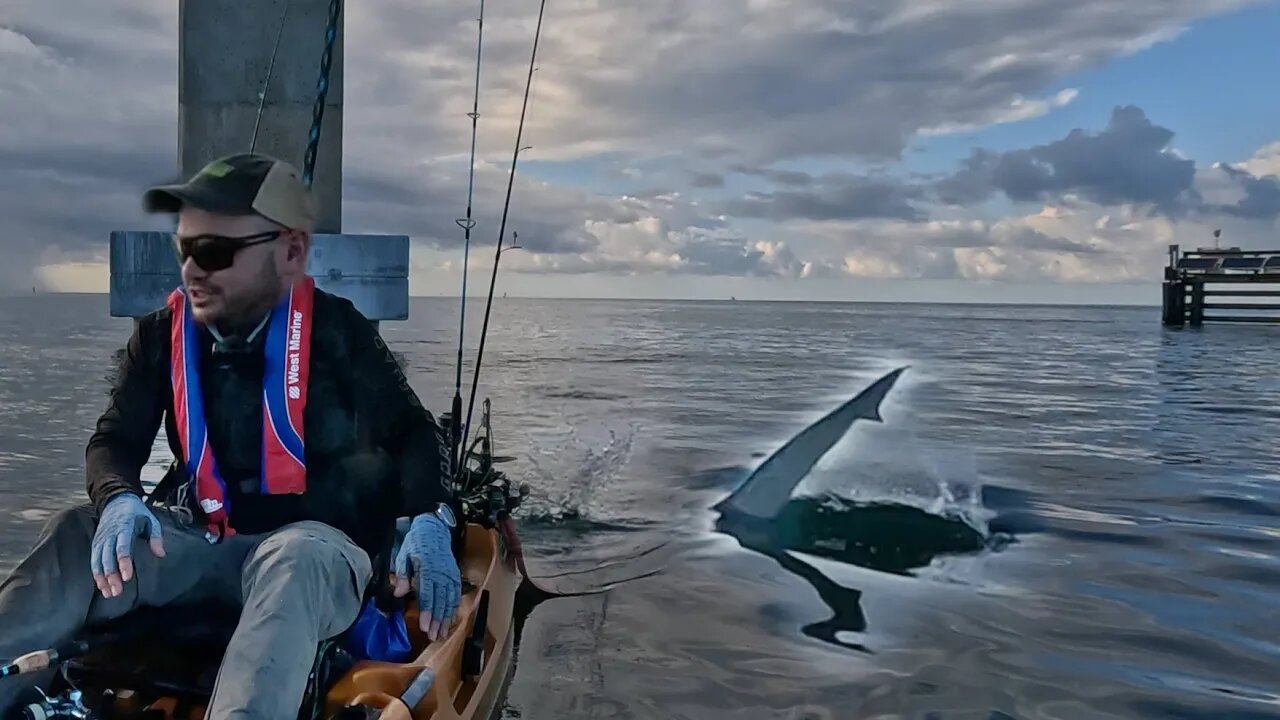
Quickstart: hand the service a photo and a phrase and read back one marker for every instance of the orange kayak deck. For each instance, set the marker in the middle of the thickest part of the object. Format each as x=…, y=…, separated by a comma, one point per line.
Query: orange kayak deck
x=485, y=565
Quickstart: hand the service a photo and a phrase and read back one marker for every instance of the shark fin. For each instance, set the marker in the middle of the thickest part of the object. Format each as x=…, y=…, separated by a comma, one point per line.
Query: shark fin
x=767, y=490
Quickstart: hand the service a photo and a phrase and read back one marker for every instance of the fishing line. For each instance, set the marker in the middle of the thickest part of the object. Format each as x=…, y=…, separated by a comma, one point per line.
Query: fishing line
x=466, y=223
x=506, y=207
x=266, y=82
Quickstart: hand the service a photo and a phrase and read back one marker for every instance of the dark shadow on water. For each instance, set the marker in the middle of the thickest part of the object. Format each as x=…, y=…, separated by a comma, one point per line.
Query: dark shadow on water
x=597, y=577
x=882, y=536
x=575, y=524
x=887, y=537
x=845, y=603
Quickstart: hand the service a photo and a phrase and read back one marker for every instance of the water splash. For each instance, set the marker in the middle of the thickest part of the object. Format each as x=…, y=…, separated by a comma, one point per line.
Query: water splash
x=577, y=480
x=879, y=499
x=893, y=466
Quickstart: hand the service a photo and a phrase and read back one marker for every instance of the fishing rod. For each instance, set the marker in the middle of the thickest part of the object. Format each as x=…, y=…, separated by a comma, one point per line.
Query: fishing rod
x=502, y=227
x=266, y=83
x=467, y=223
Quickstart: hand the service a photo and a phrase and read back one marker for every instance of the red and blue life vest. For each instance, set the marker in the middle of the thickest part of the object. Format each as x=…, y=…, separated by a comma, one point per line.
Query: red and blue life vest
x=284, y=396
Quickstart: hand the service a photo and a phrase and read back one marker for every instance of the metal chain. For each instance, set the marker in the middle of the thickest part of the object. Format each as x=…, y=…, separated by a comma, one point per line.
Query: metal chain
x=322, y=89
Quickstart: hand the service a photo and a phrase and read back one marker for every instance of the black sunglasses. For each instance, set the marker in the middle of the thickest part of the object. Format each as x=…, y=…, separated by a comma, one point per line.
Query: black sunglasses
x=217, y=252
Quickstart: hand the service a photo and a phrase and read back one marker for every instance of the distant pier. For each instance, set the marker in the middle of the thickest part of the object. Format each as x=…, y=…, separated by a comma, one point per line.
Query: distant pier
x=1187, y=300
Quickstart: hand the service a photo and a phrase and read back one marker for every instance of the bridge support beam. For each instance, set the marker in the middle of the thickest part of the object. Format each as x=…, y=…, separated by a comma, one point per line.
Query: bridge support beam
x=225, y=49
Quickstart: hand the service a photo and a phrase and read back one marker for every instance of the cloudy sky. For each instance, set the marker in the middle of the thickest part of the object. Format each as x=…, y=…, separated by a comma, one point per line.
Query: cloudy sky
x=881, y=149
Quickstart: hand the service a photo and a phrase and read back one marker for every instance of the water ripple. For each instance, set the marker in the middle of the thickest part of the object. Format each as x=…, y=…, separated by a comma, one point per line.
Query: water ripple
x=1131, y=469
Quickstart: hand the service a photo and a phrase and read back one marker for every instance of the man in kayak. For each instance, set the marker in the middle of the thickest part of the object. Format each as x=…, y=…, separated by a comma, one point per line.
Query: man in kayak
x=297, y=443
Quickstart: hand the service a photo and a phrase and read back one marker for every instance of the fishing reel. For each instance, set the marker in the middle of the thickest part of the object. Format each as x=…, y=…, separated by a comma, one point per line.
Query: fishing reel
x=499, y=503
x=61, y=707
x=483, y=492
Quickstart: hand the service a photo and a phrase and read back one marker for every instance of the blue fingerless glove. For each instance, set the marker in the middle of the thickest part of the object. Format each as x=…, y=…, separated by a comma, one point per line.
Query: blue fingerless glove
x=426, y=557
x=124, y=518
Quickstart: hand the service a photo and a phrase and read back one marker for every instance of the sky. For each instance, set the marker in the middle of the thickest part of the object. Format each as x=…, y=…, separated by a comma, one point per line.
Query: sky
x=897, y=150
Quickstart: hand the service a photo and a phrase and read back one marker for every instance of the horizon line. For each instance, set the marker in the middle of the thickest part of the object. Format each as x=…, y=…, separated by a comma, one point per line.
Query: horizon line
x=726, y=300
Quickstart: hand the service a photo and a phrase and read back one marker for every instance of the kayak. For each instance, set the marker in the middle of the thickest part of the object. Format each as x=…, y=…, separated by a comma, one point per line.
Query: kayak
x=485, y=623
x=162, y=663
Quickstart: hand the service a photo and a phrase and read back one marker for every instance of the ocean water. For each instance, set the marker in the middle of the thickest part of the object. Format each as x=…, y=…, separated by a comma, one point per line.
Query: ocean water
x=1066, y=513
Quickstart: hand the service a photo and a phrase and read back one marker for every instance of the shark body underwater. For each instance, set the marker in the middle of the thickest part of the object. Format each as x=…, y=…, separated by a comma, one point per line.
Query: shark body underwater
x=761, y=514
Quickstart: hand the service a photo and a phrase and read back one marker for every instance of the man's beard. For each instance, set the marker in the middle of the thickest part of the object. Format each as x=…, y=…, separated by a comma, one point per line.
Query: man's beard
x=241, y=317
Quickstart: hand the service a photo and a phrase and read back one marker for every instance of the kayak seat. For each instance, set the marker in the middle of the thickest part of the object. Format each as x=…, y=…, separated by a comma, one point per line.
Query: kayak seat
x=175, y=651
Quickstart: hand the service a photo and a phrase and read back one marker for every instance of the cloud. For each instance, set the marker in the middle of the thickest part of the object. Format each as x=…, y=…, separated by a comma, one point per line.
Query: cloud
x=1076, y=241
x=707, y=180
x=73, y=157
x=1057, y=244
x=690, y=98
x=1261, y=199
x=1265, y=161
x=824, y=78
x=793, y=80
x=789, y=178
x=426, y=202
x=656, y=236
x=562, y=229
x=1017, y=109
x=1248, y=189
x=836, y=197
x=1127, y=169
x=1130, y=161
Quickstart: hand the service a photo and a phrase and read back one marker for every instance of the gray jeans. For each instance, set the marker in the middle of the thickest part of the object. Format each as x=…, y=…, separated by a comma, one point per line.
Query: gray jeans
x=295, y=586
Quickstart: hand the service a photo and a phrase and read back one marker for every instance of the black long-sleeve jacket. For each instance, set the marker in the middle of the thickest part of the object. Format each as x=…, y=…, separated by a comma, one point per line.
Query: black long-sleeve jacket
x=372, y=451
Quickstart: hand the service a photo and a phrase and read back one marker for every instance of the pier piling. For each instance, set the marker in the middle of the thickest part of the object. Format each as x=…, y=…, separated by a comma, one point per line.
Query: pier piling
x=1188, y=301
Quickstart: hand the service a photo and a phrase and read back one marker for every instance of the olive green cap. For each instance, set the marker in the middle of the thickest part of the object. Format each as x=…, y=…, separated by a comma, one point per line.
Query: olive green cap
x=241, y=184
